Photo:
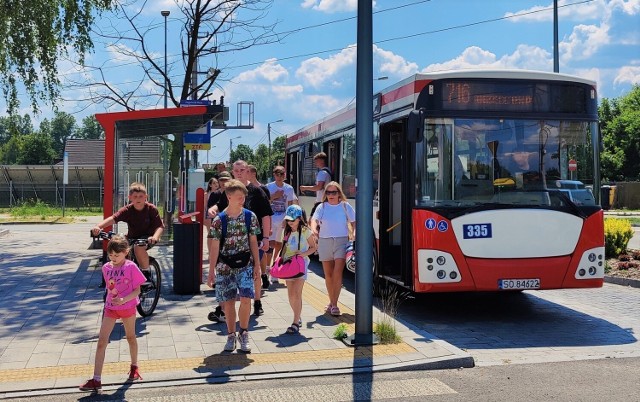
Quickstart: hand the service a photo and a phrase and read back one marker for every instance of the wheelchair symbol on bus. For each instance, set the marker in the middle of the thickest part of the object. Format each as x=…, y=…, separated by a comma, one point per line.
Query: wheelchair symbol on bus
x=443, y=226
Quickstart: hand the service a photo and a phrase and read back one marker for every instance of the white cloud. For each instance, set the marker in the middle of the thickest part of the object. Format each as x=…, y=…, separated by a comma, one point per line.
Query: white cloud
x=524, y=57
x=392, y=64
x=578, y=12
x=630, y=7
x=332, y=6
x=317, y=71
x=628, y=75
x=269, y=71
x=584, y=41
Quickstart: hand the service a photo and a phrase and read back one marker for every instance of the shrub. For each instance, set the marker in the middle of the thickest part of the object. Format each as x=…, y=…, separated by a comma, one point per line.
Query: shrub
x=617, y=233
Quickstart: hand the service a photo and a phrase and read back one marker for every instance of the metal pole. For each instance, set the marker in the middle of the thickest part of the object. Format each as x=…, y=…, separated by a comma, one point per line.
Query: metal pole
x=364, y=178
x=269, y=138
x=556, y=52
x=165, y=14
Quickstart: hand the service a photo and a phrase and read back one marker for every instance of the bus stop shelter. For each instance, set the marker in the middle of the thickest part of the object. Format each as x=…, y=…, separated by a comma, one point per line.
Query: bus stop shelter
x=121, y=127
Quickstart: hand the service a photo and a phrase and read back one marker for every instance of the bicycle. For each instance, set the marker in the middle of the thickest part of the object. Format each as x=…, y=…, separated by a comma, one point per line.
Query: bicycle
x=150, y=290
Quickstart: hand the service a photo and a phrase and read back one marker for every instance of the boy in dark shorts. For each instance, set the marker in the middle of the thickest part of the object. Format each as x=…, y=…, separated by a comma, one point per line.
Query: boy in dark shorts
x=143, y=221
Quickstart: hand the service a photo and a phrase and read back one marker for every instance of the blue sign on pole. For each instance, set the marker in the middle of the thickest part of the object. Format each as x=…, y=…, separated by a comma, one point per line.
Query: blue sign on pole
x=199, y=140
x=195, y=102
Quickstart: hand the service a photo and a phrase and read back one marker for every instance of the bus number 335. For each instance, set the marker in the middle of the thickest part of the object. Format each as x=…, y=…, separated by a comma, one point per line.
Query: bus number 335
x=477, y=231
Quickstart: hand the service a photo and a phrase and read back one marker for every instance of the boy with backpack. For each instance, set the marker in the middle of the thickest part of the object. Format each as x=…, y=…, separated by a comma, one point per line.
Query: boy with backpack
x=323, y=177
x=234, y=263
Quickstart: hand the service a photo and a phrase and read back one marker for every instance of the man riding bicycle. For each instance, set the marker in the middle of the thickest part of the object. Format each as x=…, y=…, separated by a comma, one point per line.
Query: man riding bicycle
x=143, y=221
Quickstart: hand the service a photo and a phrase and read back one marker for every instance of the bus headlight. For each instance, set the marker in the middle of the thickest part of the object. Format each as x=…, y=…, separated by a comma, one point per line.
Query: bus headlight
x=591, y=262
x=435, y=266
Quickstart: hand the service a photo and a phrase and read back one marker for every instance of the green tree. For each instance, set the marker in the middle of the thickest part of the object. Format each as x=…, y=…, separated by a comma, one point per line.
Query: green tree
x=35, y=149
x=620, y=128
x=60, y=128
x=11, y=129
x=277, y=151
x=34, y=35
x=90, y=129
x=261, y=162
x=243, y=152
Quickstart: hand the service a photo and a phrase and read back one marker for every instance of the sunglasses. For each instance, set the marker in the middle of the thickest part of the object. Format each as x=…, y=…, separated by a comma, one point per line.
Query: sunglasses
x=332, y=192
x=278, y=173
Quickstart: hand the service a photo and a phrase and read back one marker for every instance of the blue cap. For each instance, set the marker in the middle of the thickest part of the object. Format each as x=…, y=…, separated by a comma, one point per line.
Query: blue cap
x=293, y=212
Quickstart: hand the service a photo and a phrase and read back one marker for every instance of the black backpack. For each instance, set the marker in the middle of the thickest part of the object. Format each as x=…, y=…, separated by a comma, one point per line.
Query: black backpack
x=326, y=169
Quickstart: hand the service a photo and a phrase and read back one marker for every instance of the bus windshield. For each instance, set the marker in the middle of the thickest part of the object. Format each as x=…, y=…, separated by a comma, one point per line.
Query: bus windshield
x=521, y=162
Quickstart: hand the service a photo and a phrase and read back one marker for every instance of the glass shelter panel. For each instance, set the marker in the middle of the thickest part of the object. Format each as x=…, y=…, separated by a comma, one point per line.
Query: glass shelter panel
x=144, y=160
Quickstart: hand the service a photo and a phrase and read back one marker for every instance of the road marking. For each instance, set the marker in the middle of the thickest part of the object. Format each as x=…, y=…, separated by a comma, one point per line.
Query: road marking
x=359, y=391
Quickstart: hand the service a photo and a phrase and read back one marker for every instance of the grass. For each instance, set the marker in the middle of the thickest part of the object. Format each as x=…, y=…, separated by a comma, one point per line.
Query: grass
x=385, y=328
x=39, y=211
x=341, y=331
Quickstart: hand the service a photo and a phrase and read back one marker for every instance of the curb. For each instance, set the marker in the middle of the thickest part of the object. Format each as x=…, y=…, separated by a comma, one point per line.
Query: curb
x=634, y=283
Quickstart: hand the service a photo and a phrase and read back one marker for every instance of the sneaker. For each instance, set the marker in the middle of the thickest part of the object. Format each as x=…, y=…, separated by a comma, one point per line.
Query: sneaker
x=217, y=315
x=91, y=385
x=265, y=281
x=147, y=275
x=245, y=347
x=134, y=374
x=275, y=280
x=230, y=346
x=257, y=308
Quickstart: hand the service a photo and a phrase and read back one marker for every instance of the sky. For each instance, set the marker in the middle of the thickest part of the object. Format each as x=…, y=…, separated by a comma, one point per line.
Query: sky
x=311, y=72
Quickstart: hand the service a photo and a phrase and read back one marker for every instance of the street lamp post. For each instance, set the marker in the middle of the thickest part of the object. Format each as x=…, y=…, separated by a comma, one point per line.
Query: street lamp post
x=231, y=147
x=165, y=14
x=269, y=139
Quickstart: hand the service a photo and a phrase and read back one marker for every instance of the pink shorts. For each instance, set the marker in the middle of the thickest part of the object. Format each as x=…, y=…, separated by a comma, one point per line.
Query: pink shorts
x=111, y=313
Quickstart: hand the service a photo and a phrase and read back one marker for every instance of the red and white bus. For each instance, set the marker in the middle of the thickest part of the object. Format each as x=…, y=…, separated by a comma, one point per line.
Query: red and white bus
x=470, y=171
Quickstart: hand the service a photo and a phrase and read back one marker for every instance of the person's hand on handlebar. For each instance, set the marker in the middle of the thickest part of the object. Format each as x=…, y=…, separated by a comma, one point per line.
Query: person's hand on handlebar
x=152, y=240
x=96, y=230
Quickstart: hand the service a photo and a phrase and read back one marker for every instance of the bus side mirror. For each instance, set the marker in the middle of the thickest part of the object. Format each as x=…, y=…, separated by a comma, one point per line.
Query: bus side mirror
x=415, y=126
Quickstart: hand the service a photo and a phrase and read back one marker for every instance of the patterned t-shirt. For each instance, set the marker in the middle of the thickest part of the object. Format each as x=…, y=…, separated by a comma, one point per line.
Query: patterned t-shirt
x=236, y=240
x=120, y=282
x=292, y=244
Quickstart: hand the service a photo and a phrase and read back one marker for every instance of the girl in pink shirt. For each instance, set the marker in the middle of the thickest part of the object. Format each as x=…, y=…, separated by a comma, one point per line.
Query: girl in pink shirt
x=123, y=279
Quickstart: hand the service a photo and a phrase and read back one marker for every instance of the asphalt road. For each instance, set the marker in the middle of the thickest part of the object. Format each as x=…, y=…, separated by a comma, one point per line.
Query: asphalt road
x=532, y=326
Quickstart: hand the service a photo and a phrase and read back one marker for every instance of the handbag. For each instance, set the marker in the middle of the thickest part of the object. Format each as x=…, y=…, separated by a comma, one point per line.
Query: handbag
x=289, y=268
x=351, y=233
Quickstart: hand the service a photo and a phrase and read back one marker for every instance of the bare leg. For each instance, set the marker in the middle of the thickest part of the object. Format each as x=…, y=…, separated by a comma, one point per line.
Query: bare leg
x=103, y=341
x=328, y=268
x=338, y=270
x=294, y=291
x=129, y=324
x=229, y=308
x=142, y=256
x=243, y=313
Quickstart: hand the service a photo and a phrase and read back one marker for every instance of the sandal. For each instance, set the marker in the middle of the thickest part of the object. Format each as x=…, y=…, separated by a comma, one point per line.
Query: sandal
x=327, y=308
x=293, y=329
x=335, y=311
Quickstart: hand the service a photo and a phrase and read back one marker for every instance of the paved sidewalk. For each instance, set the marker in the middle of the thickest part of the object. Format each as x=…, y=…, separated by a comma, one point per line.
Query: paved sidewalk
x=50, y=307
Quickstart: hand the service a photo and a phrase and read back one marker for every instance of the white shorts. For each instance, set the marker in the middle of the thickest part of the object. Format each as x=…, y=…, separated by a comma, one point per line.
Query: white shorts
x=277, y=227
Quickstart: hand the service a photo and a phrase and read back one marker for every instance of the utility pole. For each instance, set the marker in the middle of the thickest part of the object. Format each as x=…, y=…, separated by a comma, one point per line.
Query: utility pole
x=556, y=52
x=231, y=147
x=165, y=14
x=269, y=139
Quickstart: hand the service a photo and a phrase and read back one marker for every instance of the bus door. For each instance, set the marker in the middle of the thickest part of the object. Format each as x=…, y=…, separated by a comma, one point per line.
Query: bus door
x=293, y=169
x=393, y=262
x=332, y=149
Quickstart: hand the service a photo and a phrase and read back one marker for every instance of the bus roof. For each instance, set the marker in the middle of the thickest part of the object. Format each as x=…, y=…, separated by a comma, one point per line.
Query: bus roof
x=405, y=92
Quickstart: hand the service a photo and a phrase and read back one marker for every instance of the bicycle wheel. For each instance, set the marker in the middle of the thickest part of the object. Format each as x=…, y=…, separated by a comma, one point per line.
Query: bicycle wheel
x=150, y=294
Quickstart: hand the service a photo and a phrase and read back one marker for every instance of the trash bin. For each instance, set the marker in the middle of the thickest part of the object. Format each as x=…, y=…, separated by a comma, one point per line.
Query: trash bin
x=604, y=197
x=186, y=256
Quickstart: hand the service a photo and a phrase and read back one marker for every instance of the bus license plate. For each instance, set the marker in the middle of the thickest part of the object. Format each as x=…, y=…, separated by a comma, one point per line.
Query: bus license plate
x=518, y=284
